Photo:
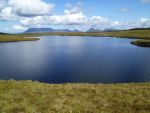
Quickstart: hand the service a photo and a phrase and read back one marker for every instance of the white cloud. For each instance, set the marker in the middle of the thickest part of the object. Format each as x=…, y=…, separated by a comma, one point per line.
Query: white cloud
x=34, y=21
x=144, y=22
x=19, y=27
x=102, y=23
x=141, y=23
x=27, y=8
x=145, y=1
x=30, y=7
x=74, y=20
x=6, y=13
x=72, y=16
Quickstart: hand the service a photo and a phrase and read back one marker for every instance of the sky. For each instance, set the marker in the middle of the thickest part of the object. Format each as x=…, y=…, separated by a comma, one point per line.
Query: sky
x=19, y=15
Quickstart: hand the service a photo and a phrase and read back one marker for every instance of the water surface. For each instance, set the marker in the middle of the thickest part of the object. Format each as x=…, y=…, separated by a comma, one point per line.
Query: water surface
x=63, y=59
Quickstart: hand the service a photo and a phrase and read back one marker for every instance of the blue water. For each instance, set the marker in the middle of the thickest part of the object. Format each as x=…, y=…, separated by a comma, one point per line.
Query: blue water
x=63, y=59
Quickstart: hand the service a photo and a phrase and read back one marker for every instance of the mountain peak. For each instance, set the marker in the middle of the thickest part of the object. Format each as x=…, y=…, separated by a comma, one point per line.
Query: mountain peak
x=94, y=30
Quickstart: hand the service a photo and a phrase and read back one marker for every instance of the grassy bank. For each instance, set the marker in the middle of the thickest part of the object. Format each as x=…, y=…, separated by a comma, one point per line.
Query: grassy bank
x=142, y=43
x=34, y=97
x=15, y=38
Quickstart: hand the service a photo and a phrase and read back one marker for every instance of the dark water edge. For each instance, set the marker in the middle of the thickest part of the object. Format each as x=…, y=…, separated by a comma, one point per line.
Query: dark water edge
x=65, y=59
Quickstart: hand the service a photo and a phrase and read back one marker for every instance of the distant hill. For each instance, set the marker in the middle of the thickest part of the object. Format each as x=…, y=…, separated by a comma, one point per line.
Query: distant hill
x=46, y=30
x=140, y=29
x=94, y=30
x=110, y=29
x=98, y=30
x=35, y=30
x=2, y=33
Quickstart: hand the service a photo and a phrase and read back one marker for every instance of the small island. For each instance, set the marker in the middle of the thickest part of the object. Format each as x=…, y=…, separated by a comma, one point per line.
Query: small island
x=141, y=43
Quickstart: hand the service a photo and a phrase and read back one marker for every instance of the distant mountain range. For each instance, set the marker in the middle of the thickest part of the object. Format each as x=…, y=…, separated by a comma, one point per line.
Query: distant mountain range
x=110, y=29
x=46, y=30
x=98, y=30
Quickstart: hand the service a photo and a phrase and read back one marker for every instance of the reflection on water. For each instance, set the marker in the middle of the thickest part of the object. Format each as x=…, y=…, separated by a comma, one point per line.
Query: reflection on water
x=58, y=59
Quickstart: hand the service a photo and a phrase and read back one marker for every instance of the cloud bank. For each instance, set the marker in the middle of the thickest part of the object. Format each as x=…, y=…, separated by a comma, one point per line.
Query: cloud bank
x=25, y=8
x=38, y=13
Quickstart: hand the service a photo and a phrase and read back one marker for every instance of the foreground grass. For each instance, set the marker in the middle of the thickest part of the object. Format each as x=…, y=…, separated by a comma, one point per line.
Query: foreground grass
x=142, y=43
x=34, y=97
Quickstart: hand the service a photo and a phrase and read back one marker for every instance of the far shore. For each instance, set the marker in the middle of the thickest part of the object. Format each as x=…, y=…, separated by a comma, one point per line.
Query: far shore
x=132, y=34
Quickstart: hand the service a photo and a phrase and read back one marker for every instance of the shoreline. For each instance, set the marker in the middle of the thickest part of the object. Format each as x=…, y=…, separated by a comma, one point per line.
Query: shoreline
x=140, y=35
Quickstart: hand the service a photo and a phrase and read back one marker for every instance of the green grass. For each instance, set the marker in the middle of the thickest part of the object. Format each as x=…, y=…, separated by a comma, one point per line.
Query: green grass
x=142, y=43
x=34, y=97
x=15, y=38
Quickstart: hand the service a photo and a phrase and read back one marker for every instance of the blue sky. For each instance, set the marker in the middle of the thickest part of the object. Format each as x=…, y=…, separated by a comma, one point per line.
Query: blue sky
x=73, y=14
x=109, y=8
